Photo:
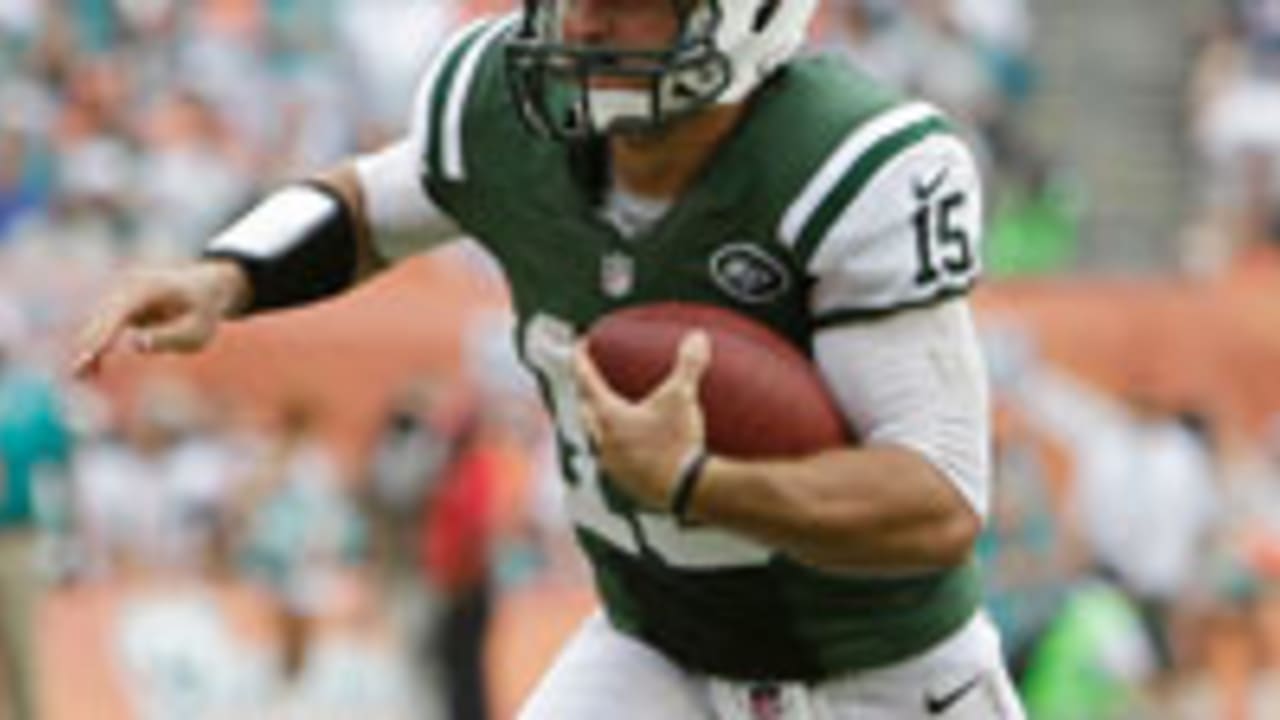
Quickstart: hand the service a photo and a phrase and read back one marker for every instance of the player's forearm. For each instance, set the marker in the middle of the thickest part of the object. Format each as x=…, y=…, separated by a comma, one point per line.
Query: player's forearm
x=877, y=508
x=345, y=181
x=230, y=286
x=301, y=244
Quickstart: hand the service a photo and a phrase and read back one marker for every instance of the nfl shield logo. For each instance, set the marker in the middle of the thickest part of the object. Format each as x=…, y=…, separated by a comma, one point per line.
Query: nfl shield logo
x=617, y=274
x=766, y=702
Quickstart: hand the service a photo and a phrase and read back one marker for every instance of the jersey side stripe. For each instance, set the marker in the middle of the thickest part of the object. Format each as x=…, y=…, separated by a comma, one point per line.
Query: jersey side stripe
x=459, y=91
x=424, y=104
x=843, y=316
x=861, y=139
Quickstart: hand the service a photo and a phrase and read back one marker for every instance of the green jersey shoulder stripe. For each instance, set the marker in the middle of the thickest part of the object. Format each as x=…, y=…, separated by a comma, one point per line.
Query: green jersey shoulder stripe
x=856, y=143
x=862, y=172
x=866, y=149
x=454, y=165
x=425, y=102
x=448, y=97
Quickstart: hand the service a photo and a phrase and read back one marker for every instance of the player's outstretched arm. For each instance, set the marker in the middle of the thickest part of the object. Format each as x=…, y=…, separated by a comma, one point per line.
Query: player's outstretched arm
x=303, y=243
x=167, y=310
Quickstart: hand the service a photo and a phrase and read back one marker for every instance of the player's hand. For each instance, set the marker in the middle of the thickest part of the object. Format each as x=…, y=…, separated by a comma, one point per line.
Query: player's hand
x=170, y=310
x=643, y=444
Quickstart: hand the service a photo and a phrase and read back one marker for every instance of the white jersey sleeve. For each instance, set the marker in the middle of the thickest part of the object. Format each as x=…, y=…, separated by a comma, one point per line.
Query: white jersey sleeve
x=893, y=220
x=916, y=379
x=403, y=218
x=895, y=338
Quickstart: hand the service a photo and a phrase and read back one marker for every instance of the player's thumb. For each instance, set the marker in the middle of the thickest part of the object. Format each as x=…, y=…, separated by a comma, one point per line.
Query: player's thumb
x=187, y=332
x=692, y=360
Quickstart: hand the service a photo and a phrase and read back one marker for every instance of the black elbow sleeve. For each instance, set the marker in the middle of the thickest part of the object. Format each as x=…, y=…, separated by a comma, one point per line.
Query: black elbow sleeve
x=296, y=247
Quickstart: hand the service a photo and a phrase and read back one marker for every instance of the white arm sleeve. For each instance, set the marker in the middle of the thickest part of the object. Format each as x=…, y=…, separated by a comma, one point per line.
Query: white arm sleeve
x=916, y=379
x=896, y=341
x=401, y=215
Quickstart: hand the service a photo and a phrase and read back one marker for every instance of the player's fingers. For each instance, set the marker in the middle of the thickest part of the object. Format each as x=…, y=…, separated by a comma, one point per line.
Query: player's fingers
x=100, y=335
x=692, y=359
x=592, y=384
x=184, y=333
x=89, y=352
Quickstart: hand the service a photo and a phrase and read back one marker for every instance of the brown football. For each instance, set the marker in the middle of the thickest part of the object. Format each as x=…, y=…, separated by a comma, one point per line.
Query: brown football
x=762, y=398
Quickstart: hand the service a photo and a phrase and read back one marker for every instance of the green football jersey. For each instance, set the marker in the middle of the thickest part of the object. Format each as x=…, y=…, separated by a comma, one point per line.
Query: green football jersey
x=752, y=234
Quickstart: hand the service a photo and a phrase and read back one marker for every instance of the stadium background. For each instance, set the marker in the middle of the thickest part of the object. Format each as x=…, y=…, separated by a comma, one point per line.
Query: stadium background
x=1131, y=317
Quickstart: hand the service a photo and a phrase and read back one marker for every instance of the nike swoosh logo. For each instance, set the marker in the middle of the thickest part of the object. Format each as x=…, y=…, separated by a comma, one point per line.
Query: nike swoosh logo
x=925, y=189
x=937, y=705
x=683, y=90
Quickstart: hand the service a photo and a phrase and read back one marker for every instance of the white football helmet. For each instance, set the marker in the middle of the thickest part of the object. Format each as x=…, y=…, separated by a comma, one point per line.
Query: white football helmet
x=723, y=50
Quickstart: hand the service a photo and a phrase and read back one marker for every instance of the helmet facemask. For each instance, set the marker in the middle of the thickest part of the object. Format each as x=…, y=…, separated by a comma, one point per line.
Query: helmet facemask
x=569, y=90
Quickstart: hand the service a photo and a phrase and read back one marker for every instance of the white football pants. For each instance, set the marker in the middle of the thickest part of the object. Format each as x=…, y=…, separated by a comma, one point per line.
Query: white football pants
x=604, y=674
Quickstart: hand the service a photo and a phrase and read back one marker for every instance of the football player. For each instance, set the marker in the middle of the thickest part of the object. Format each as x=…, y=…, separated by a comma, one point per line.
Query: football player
x=616, y=152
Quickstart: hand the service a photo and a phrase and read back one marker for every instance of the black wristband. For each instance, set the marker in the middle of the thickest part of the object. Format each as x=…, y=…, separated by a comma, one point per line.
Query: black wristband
x=686, y=484
x=294, y=249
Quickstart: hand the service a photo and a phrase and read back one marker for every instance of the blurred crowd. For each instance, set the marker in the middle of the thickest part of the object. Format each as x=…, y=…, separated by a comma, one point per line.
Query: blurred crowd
x=1234, y=95
x=112, y=108
x=1131, y=552
x=132, y=129
x=372, y=582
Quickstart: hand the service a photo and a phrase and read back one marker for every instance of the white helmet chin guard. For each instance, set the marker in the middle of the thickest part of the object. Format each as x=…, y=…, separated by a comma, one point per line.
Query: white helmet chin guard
x=723, y=50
